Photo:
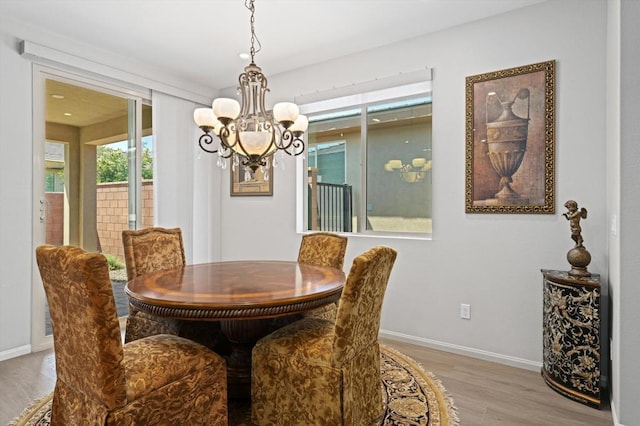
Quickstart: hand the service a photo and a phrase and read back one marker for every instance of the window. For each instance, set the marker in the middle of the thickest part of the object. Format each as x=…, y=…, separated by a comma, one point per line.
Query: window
x=369, y=166
x=54, y=167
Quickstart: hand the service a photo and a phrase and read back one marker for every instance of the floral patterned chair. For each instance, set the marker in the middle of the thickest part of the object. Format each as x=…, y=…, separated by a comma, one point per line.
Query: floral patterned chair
x=159, y=380
x=156, y=249
x=316, y=371
x=323, y=249
x=150, y=250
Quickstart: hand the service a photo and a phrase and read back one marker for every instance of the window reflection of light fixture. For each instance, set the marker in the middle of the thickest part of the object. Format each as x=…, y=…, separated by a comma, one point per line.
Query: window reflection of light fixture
x=409, y=173
x=247, y=131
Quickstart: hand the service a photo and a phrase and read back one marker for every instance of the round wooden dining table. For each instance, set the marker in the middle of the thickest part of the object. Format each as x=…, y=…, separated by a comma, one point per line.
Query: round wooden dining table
x=244, y=296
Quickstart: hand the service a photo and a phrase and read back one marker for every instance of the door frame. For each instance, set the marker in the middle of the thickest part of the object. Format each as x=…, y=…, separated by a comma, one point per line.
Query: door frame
x=41, y=73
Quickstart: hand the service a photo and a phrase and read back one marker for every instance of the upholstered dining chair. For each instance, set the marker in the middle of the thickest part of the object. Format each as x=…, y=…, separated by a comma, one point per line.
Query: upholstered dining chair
x=151, y=250
x=157, y=249
x=323, y=249
x=159, y=380
x=316, y=371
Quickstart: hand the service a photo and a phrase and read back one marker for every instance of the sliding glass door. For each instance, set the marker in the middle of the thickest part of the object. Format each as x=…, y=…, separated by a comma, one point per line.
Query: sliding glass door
x=87, y=184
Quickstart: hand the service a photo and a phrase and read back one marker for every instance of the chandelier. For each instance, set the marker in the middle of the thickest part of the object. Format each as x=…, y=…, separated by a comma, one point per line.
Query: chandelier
x=246, y=131
x=409, y=173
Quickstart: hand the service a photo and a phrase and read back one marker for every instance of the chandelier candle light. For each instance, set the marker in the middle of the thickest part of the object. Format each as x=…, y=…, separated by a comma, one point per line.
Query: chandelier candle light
x=247, y=131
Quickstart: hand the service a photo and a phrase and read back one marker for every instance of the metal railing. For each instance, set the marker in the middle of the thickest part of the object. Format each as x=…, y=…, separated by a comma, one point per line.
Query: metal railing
x=332, y=209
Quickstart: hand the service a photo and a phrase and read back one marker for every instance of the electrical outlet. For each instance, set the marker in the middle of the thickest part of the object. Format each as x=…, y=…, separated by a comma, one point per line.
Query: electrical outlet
x=465, y=311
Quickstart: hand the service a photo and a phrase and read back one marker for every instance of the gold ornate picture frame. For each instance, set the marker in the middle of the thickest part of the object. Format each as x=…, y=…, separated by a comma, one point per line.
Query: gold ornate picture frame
x=510, y=140
x=246, y=182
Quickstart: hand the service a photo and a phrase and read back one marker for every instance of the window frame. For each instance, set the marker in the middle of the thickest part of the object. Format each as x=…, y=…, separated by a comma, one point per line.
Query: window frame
x=363, y=102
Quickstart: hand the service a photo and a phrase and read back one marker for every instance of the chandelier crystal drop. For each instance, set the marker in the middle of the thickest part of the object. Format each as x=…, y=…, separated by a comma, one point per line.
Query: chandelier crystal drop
x=246, y=131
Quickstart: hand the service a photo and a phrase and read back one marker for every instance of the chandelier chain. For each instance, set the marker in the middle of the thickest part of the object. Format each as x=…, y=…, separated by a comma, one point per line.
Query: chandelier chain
x=249, y=4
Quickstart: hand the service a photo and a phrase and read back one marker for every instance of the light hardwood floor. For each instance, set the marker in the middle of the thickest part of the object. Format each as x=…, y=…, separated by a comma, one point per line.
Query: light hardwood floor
x=484, y=393
x=491, y=394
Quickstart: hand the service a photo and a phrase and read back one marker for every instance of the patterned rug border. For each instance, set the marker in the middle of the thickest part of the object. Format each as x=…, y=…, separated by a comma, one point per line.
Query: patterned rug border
x=446, y=407
x=445, y=400
x=36, y=409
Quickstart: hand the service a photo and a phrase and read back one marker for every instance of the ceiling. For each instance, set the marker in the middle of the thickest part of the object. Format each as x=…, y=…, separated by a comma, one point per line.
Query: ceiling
x=200, y=41
x=80, y=107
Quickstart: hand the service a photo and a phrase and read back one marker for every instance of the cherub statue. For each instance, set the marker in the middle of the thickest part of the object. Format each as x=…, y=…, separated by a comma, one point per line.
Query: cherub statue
x=573, y=216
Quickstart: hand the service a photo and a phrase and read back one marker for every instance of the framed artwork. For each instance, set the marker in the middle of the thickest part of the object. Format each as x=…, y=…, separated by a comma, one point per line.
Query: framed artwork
x=247, y=182
x=510, y=131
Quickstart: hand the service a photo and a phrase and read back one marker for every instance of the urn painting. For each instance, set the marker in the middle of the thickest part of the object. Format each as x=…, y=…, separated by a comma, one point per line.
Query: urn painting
x=510, y=140
x=507, y=144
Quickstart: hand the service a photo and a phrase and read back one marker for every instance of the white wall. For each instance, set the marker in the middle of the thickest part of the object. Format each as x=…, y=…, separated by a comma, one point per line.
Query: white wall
x=15, y=200
x=613, y=184
x=186, y=181
x=492, y=262
x=625, y=151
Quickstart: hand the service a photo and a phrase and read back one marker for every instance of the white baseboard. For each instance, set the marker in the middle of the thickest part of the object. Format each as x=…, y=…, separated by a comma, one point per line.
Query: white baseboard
x=463, y=350
x=15, y=352
x=45, y=344
x=614, y=414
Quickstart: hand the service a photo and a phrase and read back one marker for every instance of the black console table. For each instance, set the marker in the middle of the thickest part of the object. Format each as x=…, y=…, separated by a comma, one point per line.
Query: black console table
x=571, y=336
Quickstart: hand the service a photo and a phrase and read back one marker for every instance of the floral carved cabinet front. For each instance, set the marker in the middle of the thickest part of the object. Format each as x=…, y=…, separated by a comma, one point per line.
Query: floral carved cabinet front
x=571, y=336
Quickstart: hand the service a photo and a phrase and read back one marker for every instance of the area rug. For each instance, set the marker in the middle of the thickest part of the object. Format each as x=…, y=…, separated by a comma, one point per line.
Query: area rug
x=412, y=396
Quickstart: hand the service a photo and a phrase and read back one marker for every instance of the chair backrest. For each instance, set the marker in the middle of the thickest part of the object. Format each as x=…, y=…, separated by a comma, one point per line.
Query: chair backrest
x=86, y=331
x=152, y=249
x=323, y=249
x=358, y=318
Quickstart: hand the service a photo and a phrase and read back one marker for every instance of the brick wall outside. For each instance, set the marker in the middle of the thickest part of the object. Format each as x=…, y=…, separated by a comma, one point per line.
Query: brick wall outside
x=55, y=218
x=112, y=208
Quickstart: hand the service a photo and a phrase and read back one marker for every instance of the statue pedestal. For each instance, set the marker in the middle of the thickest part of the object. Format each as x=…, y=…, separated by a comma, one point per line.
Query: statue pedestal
x=571, y=336
x=579, y=258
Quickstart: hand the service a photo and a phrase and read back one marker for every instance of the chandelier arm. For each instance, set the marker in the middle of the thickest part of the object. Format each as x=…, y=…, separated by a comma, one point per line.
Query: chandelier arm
x=243, y=86
x=256, y=100
x=272, y=143
x=255, y=90
x=228, y=155
x=225, y=132
x=298, y=146
x=268, y=126
x=295, y=145
x=286, y=140
x=204, y=141
x=261, y=99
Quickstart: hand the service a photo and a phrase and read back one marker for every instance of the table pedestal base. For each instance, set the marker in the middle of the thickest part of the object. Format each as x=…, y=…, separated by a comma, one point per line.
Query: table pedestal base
x=242, y=336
